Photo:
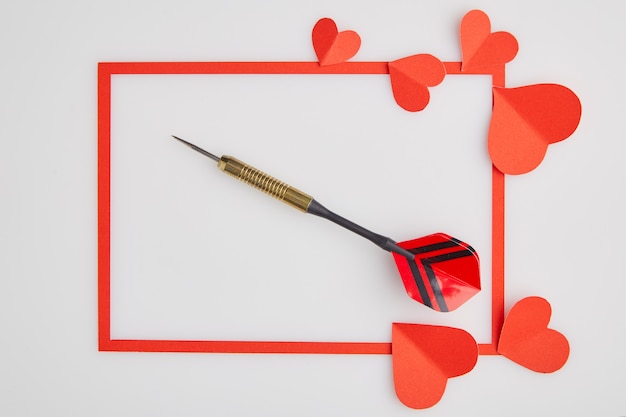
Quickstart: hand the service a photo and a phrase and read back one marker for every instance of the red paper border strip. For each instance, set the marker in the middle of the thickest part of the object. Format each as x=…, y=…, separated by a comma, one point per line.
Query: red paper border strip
x=105, y=343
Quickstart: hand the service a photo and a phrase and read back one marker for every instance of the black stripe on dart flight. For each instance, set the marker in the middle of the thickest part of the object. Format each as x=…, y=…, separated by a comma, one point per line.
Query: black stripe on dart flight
x=443, y=274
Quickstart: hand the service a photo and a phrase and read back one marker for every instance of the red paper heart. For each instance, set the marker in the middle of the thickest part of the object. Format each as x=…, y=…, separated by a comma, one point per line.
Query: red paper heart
x=527, y=340
x=525, y=120
x=332, y=46
x=424, y=357
x=410, y=78
x=482, y=49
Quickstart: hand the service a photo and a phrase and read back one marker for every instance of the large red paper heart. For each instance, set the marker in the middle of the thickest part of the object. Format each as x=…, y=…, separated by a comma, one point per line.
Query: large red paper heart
x=527, y=340
x=332, y=46
x=525, y=120
x=411, y=77
x=482, y=49
x=424, y=357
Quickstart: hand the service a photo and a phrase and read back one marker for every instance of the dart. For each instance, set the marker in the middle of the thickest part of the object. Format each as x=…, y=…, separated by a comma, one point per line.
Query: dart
x=437, y=270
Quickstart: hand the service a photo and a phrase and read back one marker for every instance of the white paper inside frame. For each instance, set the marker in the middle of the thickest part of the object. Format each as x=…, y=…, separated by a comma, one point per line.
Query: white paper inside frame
x=197, y=255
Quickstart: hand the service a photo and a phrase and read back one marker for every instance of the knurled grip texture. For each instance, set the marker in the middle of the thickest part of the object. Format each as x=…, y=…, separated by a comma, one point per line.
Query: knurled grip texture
x=264, y=182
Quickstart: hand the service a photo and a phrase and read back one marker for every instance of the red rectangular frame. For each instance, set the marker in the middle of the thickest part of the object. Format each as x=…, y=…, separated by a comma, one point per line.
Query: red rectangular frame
x=107, y=69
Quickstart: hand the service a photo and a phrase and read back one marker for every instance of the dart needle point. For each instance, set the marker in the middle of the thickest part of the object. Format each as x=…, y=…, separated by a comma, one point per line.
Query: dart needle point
x=198, y=149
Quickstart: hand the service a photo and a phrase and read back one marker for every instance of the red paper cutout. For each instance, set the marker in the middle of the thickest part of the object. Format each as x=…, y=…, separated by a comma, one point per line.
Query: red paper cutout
x=527, y=340
x=424, y=357
x=481, y=49
x=411, y=77
x=526, y=120
x=332, y=46
x=106, y=70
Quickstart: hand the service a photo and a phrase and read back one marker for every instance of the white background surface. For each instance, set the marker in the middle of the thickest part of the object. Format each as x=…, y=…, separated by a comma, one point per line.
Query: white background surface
x=196, y=255
x=564, y=220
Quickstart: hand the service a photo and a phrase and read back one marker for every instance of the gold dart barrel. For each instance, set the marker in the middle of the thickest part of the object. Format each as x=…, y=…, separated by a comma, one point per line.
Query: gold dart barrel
x=266, y=183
